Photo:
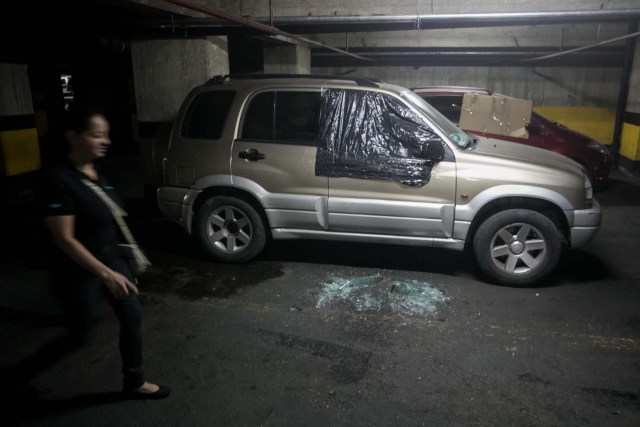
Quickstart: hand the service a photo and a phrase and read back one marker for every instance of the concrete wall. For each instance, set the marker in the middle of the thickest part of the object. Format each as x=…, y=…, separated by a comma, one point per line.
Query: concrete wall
x=633, y=101
x=568, y=35
x=166, y=70
x=592, y=87
x=288, y=59
x=15, y=93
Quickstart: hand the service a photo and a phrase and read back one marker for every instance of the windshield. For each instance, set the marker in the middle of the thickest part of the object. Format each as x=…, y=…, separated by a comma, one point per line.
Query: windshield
x=455, y=134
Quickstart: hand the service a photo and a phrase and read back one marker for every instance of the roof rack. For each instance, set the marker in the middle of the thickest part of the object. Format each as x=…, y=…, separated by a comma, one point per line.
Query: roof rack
x=444, y=88
x=361, y=81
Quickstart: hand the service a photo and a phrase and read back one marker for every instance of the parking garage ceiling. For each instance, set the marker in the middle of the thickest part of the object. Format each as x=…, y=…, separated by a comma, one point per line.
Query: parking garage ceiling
x=73, y=26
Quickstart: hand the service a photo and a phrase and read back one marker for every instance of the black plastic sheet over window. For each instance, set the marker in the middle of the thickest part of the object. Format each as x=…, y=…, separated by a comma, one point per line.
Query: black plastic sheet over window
x=371, y=135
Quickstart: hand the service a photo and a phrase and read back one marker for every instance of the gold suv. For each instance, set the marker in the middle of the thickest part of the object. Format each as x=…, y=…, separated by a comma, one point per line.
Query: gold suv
x=316, y=157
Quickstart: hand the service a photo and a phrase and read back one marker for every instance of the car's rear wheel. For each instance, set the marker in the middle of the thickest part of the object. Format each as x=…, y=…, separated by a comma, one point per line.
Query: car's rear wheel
x=517, y=247
x=229, y=229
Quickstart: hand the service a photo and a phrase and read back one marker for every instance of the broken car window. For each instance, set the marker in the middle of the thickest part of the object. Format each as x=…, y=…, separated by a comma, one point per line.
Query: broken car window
x=373, y=135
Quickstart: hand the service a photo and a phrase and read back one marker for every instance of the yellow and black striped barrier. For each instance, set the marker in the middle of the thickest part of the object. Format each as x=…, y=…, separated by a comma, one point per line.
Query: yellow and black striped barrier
x=19, y=146
x=630, y=143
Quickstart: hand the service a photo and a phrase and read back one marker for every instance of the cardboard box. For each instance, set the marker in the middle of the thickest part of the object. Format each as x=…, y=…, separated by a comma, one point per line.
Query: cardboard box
x=495, y=114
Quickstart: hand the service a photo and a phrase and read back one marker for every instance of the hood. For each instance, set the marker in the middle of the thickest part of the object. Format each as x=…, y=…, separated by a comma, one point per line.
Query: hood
x=495, y=164
x=527, y=154
x=561, y=131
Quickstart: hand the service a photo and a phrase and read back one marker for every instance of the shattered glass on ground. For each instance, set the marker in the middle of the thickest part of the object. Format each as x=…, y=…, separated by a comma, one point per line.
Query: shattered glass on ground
x=376, y=294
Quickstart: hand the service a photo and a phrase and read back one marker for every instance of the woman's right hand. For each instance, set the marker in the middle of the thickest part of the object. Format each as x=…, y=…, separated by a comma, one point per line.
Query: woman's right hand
x=118, y=284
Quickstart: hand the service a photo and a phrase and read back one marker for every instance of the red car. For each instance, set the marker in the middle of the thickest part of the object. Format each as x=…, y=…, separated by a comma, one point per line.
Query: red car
x=543, y=133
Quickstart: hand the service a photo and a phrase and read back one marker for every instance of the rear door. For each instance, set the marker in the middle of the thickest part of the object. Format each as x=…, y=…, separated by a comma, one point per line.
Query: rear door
x=274, y=157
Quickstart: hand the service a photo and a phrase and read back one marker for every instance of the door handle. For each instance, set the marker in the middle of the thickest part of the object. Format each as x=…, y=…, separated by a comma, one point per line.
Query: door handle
x=252, y=155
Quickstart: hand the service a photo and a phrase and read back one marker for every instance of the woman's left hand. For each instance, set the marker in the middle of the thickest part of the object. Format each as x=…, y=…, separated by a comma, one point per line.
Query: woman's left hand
x=118, y=284
x=62, y=229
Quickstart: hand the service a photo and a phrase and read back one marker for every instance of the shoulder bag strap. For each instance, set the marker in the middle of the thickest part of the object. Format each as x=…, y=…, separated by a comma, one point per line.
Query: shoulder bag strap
x=116, y=210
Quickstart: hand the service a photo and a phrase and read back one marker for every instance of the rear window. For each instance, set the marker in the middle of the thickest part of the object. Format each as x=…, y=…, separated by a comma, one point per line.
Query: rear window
x=283, y=116
x=297, y=116
x=206, y=115
x=258, y=121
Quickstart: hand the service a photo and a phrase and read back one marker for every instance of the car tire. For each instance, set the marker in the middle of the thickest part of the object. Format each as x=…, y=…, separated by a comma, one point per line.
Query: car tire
x=229, y=229
x=517, y=247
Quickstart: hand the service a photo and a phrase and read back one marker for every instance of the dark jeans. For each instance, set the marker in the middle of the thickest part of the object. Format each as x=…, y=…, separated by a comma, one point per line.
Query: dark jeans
x=80, y=295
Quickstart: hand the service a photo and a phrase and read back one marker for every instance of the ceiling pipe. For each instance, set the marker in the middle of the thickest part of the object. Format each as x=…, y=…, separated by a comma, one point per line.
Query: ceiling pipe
x=255, y=25
x=335, y=24
x=427, y=21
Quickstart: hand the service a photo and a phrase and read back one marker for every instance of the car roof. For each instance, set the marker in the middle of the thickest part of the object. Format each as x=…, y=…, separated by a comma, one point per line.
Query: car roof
x=259, y=81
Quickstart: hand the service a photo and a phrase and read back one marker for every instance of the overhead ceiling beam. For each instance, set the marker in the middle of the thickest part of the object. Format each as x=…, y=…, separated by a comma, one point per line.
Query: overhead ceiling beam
x=606, y=56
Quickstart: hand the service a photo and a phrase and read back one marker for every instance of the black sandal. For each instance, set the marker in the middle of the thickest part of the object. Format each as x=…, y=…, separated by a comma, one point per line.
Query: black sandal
x=134, y=394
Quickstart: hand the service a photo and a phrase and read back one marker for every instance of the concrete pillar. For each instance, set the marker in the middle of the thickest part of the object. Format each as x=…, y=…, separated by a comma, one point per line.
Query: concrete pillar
x=164, y=72
x=287, y=59
x=19, y=148
x=630, y=140
x=633, y=100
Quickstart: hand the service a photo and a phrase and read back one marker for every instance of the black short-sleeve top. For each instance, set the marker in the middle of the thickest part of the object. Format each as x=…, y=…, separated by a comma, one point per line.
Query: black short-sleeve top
x=62, y=192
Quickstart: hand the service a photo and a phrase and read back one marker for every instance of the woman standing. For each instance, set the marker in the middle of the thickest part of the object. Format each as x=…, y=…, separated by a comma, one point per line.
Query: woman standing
x=85, y=264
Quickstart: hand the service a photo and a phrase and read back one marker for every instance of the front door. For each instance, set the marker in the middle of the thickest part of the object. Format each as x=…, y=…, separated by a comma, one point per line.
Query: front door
x=381, y=179
x=391, y=208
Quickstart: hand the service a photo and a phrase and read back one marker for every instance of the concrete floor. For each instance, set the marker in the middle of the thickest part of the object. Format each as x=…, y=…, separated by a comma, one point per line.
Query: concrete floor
x=337, y=334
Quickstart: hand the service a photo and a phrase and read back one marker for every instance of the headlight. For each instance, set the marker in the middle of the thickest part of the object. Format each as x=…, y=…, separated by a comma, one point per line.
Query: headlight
x=595, y=145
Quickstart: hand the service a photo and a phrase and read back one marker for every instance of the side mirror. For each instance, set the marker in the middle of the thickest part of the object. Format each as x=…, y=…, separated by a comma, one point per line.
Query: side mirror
x=434, y=151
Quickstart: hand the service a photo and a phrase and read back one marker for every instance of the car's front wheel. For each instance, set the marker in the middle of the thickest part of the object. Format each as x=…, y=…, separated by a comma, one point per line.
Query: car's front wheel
x=229, y=229
x=517, y=247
